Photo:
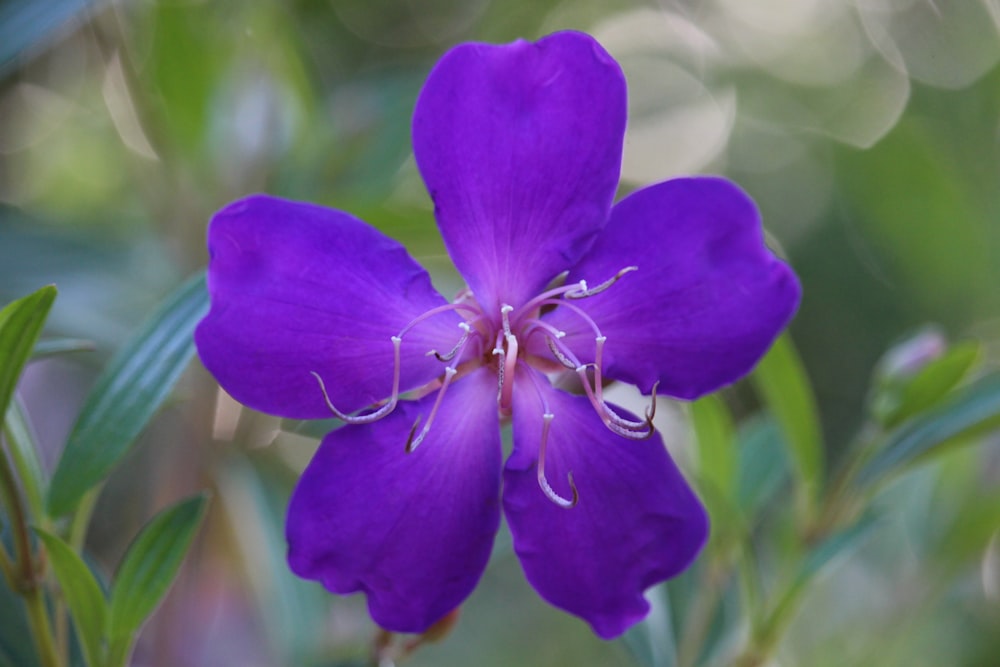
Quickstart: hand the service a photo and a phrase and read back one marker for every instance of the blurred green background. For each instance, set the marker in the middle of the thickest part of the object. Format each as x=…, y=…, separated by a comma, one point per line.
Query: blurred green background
x=868, y=131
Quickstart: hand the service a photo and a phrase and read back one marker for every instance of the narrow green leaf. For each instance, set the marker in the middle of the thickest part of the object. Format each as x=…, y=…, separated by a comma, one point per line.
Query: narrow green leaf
x=784, y=387
x=127, y=394
x=836, y=544
x=894, y=402
x=651, y=643
x=20, y=323
x=55, y=346
x=23, y=447
x=970, y=411
x=716, y=439
x=83, y=596
x=717, y=469
x=818, y=558
x=149, y=568
x=764, y=464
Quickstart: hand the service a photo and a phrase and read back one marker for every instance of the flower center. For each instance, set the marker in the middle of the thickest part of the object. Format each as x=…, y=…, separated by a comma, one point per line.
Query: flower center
x=499, y=343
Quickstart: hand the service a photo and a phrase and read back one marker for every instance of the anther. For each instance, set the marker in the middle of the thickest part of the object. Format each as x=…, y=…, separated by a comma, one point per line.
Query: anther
x=633, y=430
x=498, y=351
x=583, y=292
x=466, y=330
x=560, y=356
x=543, y=483
x=377, y=414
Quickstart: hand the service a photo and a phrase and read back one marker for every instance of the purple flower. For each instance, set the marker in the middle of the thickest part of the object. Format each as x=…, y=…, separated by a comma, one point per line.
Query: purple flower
x=672, y=289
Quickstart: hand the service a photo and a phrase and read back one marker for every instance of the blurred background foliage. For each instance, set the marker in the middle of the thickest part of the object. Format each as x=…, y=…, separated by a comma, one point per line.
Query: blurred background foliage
x=868, y=131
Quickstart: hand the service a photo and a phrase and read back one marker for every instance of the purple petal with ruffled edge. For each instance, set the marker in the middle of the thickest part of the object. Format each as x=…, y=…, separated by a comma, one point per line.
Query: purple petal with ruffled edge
x=637, y=521
x=413, y=531
x=298, y=288
x=520, y=147
x=708, y=298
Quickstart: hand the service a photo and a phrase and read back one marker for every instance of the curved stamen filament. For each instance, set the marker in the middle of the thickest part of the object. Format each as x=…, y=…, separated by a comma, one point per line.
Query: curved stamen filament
x=585, y=292
x=578, y=290
x=543, y=483
x=533, y=325
x=382, y=411
x=550, y=295
x=598, y=358
x=562, y=303
x=466, y=330
x=411, y=442
x=472, y=308
x=633, y=430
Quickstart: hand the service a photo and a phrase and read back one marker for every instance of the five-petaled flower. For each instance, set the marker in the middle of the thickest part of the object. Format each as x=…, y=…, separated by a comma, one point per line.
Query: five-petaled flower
x=672, y=289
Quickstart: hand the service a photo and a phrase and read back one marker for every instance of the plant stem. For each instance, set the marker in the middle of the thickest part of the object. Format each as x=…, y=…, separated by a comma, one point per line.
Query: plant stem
x=26, y=579
x=41, y=629
x=7, y=566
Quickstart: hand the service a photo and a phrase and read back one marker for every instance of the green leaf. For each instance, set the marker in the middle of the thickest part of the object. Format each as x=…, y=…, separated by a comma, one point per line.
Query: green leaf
x=148, y=569
x=716, y=439
x=127, y=395
x=764, y=465
x=55, y=346
x=20, y=323
x=83, y=596
x=784, y=387
x=23, y=447
x=899, y=399
x=717, y=468
x=971, y=411
x=818, y=558
x=651, y=642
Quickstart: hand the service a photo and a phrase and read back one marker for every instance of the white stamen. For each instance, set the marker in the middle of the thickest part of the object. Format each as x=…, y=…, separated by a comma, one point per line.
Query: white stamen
x=382, y=411
x=411, y=442
x=547, y=489
x=466, y=330
x=583, y=292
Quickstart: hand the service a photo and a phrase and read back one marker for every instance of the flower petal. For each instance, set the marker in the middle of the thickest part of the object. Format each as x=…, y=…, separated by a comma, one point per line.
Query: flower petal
x=413, y=531
x=298, y=288
x=706, y=302
x=520, y=147
x=637, y=521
